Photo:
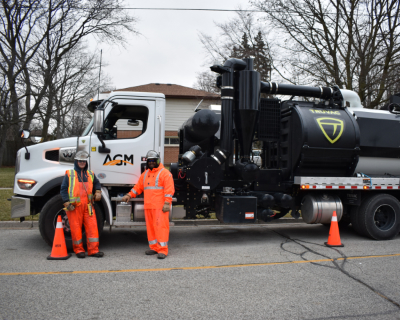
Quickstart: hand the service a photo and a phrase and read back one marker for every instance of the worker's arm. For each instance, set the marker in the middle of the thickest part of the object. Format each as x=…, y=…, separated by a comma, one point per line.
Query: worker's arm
x=136, y=190
x=169, y=190
x=64, y=193
x=97, y=188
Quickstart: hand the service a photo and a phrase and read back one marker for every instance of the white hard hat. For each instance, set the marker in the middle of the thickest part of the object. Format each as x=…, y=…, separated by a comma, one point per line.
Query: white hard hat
x=82, y=156
x=152, y=155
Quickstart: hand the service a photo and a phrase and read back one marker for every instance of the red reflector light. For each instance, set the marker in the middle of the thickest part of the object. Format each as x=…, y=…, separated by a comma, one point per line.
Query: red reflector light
x=390, y=187
x=377, y=187
x=341, y=187
x=329, y=187
x=354, y=187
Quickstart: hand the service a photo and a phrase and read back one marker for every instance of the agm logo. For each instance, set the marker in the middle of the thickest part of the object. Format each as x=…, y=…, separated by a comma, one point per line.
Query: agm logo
x=118, y=162
x=332, y=128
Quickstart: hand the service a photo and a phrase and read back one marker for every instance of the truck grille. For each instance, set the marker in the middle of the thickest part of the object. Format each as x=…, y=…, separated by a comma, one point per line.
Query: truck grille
x=52, y=155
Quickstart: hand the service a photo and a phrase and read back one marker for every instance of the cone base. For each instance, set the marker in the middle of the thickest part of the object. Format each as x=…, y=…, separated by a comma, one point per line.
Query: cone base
x=59, y=258
x=333, y=245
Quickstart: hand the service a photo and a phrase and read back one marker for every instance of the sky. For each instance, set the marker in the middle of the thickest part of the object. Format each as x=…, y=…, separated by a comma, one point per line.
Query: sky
x=168, y=49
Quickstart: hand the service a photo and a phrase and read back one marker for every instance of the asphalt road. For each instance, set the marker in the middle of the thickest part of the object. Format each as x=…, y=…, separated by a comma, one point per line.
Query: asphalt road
x=280, y=271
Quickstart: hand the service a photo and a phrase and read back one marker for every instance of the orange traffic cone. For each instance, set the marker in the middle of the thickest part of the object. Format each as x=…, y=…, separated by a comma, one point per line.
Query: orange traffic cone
x=334, y=237
x=59, y=251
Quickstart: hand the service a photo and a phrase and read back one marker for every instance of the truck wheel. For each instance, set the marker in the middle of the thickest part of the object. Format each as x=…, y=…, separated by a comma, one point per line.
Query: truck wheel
x=48, y=220
x=379, y=217
x=354, y=212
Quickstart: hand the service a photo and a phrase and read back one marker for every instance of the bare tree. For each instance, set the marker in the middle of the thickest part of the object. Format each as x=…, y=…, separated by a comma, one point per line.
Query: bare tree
x=240, y=37
x=353, y=44
x=207, y=81
x=36, y=36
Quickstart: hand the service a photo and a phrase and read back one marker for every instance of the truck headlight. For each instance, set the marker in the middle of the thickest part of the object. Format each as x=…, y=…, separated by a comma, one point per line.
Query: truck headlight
x=26, y=184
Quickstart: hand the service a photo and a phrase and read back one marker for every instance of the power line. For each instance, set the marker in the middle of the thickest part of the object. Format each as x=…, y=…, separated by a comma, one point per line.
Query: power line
x=195, y=9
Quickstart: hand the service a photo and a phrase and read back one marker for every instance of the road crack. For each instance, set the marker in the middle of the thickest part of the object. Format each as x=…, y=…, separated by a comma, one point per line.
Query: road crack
x=337, y=264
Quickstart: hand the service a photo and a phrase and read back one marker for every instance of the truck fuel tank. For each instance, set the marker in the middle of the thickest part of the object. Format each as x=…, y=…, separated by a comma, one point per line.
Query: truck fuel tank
x=318, y=208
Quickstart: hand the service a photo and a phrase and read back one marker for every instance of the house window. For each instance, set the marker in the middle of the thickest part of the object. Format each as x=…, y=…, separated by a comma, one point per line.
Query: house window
x=171, y=141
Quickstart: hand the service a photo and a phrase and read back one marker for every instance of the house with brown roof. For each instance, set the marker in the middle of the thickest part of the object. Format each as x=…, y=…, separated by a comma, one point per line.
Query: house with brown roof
x=180, y=104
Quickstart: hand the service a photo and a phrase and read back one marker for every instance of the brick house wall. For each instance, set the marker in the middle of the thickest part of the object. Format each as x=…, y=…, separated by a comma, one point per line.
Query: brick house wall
x=170, y=152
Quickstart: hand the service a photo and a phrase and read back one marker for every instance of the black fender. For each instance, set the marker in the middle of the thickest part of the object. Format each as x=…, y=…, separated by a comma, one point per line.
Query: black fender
x=49, y=185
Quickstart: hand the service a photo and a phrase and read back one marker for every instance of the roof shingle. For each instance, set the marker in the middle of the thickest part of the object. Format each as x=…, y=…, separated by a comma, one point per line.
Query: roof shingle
x=173, y=91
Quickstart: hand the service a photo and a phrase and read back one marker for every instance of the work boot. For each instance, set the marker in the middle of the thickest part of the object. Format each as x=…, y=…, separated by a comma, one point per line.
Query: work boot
x=161, y=256
x=97, y=255
x=150, y=252
x=81, y=255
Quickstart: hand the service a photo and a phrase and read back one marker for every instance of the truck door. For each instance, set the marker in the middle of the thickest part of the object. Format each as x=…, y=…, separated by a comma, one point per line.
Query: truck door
x=129, y=132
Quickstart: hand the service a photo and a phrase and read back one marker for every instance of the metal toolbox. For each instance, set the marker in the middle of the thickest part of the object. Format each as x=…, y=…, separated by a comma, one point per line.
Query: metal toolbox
x=124, y=212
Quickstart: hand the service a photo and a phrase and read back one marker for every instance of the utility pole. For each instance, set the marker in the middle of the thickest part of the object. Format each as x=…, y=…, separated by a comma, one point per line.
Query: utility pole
x=98, y=89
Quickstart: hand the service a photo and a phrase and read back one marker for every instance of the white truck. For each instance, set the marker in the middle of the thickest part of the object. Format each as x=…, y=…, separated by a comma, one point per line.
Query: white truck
x=117, y=162
x=328, y=154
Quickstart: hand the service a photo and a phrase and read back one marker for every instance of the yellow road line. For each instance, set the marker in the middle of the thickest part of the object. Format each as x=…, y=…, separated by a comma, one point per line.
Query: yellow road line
x=195, y=268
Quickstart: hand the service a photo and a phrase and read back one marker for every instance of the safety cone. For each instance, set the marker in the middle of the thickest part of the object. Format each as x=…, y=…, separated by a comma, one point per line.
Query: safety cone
x=59, y=251
x=334, y=237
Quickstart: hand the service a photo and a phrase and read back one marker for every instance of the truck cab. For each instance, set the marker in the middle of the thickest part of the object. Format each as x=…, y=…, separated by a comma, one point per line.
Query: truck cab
x=132, y=123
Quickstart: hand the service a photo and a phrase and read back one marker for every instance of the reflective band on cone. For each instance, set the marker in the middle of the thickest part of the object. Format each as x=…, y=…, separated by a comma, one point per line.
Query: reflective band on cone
x=59, y=251
x=334, y=237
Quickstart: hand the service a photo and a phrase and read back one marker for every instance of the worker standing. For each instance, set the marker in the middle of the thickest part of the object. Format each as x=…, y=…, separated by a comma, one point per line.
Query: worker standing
x=158, y=187
x=77, y=194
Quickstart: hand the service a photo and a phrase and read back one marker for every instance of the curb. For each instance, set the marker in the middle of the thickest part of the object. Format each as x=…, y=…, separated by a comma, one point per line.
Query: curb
x=181, y=222
x=19, y=225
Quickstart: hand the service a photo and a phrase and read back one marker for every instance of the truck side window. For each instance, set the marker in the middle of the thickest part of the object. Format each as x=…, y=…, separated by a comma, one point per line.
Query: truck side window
x=126, y=122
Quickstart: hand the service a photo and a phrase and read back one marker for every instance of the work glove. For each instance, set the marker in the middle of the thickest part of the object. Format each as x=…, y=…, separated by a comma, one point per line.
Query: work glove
x=126, y=198
x=68, y=206
x=165, y=207
x=97, y=195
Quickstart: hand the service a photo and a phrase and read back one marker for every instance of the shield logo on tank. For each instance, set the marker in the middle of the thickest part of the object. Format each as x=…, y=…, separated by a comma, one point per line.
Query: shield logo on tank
x=332, y=128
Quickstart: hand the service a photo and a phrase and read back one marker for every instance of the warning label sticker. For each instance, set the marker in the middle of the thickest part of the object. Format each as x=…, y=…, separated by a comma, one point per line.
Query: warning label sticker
x=249, y=215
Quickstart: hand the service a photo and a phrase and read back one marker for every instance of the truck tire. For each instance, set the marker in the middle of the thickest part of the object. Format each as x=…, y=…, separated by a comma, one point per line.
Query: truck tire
x=379, y=217
x=354, y=211
x=48, y=219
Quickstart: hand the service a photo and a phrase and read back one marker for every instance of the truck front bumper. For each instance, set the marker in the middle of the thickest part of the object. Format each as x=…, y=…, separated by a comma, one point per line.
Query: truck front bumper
x=20, y=207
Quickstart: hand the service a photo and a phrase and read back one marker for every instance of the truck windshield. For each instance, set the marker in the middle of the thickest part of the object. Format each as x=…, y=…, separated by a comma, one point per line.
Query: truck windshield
x=87, y=129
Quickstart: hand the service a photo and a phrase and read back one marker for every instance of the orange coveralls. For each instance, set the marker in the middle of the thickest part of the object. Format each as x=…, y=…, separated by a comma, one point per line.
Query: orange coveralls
x=158, y=187
x=80, y=200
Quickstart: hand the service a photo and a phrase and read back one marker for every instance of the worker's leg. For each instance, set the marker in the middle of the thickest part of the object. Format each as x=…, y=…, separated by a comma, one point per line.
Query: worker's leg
x=151, y=235
x=92, y=233
x=75, y=218
x=161, y=228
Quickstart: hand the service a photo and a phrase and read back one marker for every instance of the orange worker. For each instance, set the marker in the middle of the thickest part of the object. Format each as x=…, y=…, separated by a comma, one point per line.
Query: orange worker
x=77, y=193
x=158, y=187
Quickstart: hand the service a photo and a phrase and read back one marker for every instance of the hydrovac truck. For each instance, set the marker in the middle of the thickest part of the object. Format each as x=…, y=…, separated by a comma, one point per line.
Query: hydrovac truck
x=321, y=152
x=328, y=154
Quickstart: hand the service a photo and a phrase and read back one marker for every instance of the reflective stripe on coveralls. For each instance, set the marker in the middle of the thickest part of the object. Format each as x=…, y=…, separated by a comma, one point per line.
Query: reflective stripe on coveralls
x=80, y=215
x=156, y=184
x=158, y=187
x=73, y=179
x=157, y=225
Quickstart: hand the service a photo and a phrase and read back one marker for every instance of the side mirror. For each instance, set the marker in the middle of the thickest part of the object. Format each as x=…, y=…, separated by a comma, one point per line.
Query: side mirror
x=24, y=134
x=133, y=122
x=98, y=129
x=98, y=121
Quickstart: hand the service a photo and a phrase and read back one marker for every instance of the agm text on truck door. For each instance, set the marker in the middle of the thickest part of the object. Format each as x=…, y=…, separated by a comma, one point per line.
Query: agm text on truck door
x=129, y=134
